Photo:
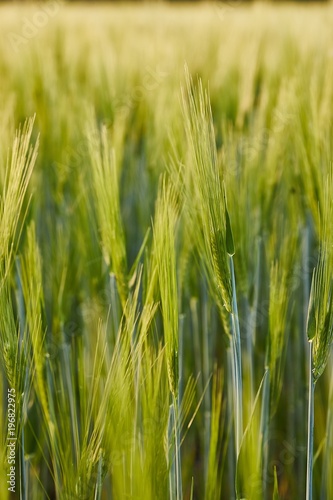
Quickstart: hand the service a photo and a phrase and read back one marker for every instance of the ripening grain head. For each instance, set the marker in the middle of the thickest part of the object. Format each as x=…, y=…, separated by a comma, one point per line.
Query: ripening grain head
x=320, y=312
x=166, y=216
x=207, y=195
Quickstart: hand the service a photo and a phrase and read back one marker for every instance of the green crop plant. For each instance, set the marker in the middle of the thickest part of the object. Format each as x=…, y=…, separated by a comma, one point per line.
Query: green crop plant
x=320, y=316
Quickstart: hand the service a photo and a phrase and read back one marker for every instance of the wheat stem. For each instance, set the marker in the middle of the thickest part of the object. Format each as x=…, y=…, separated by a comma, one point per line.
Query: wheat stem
x=237, y=364
x=309, y=466
x=23, y=475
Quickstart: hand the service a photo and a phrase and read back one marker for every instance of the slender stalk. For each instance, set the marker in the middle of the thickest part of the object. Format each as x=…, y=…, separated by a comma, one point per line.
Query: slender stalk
x=192, y=486
x=327, y=480
x=23, y=476
x=99, y=482
x=22, y=319
x=175, y=472
x=231, y=445
x=179, y=494
x=237, y=364
x=264, y=425
x=171, y=446
x=177, y=399
x=248, y=359
x=206, y=376
x=309, y=466
x=181, y=357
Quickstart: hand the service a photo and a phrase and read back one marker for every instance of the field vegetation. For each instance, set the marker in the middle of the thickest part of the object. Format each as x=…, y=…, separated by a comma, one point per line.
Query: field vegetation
x=166, y=265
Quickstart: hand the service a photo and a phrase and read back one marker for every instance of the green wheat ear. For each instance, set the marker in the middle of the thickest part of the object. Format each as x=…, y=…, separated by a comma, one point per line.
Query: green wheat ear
x=322, y=338
x=206, y=197
x=320, y=311
x=106, y=198
x=18, y=173
x=166, y=217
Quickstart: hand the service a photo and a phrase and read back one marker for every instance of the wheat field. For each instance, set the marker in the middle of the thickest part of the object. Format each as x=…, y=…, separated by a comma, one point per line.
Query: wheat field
x=166, y=264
